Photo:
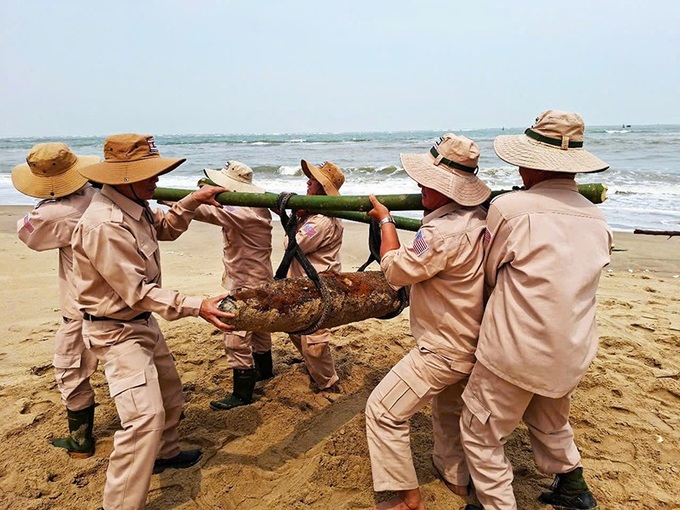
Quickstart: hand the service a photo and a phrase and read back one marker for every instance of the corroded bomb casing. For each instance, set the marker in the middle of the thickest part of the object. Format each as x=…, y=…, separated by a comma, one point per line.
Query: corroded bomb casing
x=295, y=304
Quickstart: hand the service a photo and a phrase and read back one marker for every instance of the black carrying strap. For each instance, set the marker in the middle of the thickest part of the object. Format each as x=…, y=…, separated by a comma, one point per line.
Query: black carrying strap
x=293, y=250
x=374, y=240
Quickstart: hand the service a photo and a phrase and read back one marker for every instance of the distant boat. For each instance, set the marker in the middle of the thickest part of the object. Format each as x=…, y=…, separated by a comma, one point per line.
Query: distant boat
x=624, y=126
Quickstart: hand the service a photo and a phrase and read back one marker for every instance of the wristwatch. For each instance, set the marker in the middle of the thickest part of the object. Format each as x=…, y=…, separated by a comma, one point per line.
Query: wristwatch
x=387, y=219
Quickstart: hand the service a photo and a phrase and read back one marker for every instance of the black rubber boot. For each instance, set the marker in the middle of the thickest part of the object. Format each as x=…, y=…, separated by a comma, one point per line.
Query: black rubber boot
x=80, y=443
x=244, y=384
x=569, y=490
x=184, y=459
x=264, y=365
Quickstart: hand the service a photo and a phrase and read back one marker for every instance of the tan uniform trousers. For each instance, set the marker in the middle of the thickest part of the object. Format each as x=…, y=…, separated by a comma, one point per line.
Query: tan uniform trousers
x=419, y=377
x=147, y=390
x=74, y=364
x=316, y=352
x=493, y=409
x=240, y=346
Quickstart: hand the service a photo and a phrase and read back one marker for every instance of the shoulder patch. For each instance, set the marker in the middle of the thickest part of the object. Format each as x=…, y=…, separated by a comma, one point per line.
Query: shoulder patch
x=487, y=237
x=419, y=245
x=308, y=230
x=25, y=223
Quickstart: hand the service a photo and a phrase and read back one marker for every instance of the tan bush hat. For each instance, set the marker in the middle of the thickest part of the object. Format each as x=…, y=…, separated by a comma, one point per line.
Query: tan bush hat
x=235, y=176
x=329, y=175
x=51, y=171
x=129, y=158
x=554, y=144
x=449, y=167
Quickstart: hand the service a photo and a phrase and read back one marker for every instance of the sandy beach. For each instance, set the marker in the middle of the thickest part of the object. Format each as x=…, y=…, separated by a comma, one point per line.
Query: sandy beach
x=296, y=449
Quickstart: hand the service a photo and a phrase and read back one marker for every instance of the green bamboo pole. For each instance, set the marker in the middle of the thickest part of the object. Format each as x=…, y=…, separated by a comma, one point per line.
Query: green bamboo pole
x=348, y=207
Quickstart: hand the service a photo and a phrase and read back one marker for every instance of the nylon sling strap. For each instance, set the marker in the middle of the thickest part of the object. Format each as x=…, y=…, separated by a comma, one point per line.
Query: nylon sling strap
x=293, y=250
x=374, y=240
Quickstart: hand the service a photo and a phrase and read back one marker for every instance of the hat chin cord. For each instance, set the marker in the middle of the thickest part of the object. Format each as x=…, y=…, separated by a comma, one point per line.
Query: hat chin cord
x=143, y=203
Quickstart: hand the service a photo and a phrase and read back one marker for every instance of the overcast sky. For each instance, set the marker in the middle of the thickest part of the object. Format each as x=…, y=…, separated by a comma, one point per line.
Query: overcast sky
x=84, y=67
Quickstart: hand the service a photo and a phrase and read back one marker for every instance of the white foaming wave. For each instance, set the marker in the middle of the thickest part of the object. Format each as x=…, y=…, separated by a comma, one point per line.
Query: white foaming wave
x=644, y=189
x=290, y=170
x=611, y=131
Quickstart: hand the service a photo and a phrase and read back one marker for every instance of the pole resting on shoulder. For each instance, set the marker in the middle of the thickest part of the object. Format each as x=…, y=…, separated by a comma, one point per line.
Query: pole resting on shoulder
x=293, y=250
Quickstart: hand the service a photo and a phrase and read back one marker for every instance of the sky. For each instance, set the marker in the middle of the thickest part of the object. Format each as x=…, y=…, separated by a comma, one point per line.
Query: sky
x=76, y=67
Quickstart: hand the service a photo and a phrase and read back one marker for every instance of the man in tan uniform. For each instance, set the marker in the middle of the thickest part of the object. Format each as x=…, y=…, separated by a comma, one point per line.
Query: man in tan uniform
x=546, y=248
x=51, y=173
x=320, y=239
x=443, y=265
x=247, y=235
x=118, y=280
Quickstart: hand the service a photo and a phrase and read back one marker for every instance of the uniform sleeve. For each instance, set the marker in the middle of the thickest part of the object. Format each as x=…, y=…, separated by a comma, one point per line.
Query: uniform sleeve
x=175, y=221
x=421, y=260
x=112, y=250
x=215, y=216
x=45, y=229
x=497, y=251
x=314, y=233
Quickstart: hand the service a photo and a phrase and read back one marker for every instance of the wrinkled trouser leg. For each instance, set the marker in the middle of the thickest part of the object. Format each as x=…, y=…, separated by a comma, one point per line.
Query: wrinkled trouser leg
x=493, y=409
x=240, y=345
x=316, y=352
x=405, y=390
x=172, y=393
x=551, y=435
x=448, y=455
x=74, y=364
x=133, y=355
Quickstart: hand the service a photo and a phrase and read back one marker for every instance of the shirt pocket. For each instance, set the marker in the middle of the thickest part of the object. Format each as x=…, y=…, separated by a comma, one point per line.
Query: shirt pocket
x=66, y=361
x=148, y=248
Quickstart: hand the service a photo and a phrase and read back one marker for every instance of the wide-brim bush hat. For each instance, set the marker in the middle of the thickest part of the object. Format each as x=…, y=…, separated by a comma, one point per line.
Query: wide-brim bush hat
x=449, y=167
x=235, y=176
x=51, y=171
x=129, y=158
x=328, y=174
x=554, y=144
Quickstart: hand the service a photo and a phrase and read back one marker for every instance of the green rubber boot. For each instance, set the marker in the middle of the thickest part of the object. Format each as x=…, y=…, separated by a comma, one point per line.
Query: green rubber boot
x=264, y=365
x=80, y=443
x=569, y=490
x=244, y=385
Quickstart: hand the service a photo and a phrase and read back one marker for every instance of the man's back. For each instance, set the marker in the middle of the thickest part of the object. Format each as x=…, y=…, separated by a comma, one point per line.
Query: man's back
x=548, y=247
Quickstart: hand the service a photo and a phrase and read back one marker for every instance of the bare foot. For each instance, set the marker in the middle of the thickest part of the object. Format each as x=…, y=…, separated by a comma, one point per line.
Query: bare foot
x=406, y=500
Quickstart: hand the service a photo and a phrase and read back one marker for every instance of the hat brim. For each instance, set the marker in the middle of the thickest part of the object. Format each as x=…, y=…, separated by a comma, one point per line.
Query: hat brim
x=53, y=186
x=522, y=151
x=221, y=179
x=464, y=188
x=314, y=172
x=128, y=172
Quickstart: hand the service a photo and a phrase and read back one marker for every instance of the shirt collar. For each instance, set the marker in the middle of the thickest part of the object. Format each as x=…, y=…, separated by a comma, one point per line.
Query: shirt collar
x=568, y=184
x=441, y=211
x=128, y=206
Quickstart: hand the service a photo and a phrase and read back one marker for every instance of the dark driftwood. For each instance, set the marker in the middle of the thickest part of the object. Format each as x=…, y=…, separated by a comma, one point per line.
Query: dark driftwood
x=294, y=304
x=669, y=233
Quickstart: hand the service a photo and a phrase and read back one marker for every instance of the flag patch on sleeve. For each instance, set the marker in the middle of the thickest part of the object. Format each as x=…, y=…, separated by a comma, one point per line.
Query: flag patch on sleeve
x=309, y=230
x=487, y=237
x=25, y=222
x=420, y=245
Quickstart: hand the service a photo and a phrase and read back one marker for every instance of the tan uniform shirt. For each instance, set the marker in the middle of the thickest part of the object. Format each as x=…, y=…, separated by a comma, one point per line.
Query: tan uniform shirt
x=50, y=226
x=444, y=266
x=547, y=248
x=117, y=260
x=247, y=233
x=320, y=239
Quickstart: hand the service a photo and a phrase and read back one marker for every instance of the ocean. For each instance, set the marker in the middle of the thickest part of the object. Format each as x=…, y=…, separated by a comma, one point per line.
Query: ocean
x=643, y=180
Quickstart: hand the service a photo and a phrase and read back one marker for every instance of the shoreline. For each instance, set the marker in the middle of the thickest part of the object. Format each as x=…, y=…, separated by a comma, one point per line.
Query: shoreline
x=293, y=448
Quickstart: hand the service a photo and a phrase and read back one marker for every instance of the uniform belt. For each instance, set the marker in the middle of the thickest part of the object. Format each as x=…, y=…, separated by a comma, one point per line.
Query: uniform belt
x=141, y=317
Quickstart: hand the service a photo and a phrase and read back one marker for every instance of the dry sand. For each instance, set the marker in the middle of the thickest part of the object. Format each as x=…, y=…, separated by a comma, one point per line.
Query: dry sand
x=295, y=449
